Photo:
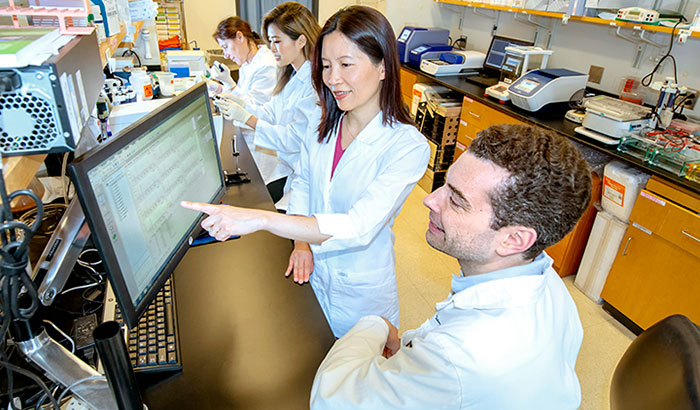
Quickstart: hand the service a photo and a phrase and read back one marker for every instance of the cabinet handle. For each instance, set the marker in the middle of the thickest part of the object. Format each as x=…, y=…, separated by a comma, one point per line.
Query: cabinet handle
x=624, y=251
x=690, y=236
x=477, y=116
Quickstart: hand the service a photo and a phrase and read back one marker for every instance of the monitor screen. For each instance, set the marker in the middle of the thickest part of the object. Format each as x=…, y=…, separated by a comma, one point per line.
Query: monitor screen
x=497, y=50
x=130, y=191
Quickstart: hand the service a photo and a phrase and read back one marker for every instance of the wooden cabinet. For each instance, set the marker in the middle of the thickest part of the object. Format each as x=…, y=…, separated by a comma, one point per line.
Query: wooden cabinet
x=656, y=272
x=408, y=78
x=568, y=252
x=474, y=118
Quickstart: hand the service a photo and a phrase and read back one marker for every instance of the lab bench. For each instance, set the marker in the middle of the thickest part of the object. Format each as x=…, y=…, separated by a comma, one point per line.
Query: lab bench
x=655, y=270
x=507, y=113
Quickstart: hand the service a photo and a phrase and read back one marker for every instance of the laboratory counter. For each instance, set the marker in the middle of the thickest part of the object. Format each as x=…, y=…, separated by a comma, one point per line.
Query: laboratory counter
x=250, y=338
x=553, y=120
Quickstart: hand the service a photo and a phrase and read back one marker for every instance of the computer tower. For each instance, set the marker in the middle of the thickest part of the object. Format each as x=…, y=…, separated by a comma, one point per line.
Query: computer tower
x=44, y=108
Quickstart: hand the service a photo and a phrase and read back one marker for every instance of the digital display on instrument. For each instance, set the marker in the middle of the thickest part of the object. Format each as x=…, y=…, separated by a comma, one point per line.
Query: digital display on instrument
x=404, y=35
x=527, y=85
x=419, y=49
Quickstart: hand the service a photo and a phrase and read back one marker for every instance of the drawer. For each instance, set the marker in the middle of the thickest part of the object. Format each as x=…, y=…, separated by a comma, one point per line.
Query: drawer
x=668, y=220
x=482, y=116
x=474, y=113
x=465, y=135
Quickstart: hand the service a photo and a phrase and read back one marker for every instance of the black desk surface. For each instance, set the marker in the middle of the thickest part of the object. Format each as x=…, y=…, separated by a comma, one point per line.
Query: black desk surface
x=553, y=121
x=250, y=338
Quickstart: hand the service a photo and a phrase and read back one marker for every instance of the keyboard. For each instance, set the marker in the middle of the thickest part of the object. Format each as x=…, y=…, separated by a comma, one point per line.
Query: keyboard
x=153, y=345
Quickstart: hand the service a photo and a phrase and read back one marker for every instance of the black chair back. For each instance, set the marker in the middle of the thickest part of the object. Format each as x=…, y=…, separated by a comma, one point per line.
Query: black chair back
x=660, y=370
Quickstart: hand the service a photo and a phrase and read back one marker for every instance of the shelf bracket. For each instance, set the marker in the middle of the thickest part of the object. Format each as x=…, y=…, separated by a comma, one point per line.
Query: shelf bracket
x=653, y=43
x=639, y=52
x=478, y=12
x=625, y=36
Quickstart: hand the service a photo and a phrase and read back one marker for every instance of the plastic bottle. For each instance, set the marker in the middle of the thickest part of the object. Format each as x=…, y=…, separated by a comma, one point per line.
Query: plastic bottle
x=141, y=83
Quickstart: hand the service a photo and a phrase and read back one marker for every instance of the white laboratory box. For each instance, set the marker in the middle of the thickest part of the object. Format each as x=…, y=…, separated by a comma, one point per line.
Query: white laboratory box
x=603, y=243
x=621, y=185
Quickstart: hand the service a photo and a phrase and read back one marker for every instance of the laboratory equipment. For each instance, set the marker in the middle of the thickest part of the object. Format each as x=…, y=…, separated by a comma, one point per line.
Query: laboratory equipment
x=669, y=93
x=575, y=115
x=516, y=63
x=490, y=74
x=427, y=51
x=638, y=15
x=420, y=91
x=454, y=62
x=43, y=109
x=131, y=189
x=186, y=63
x=539, y=88
x=412, y=37
x=608, y=119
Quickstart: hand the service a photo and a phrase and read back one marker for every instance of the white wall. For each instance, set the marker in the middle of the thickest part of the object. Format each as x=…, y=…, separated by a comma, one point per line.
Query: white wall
x=327, y=8
x=201, y=18
x=576, y=45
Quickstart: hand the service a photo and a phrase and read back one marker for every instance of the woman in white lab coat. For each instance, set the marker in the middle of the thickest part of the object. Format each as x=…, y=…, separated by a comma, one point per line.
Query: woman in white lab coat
x=280, y=124
x=354, y=177
x=257, y=77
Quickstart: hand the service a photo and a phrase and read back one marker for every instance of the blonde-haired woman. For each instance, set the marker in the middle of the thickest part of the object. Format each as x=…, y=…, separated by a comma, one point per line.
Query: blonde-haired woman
x=291, y=31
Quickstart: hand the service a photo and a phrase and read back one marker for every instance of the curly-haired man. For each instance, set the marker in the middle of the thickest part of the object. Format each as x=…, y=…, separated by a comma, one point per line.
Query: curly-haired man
x=508, y=335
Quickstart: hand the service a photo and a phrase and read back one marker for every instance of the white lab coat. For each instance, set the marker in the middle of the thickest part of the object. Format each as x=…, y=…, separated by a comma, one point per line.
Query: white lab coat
x=256, y=80
x=283, y=123
x=354, y=270
x=503, y=344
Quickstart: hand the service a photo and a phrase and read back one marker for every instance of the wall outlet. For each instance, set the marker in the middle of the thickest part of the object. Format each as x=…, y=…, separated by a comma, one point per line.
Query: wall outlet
x=595, y=74
x=691, y=99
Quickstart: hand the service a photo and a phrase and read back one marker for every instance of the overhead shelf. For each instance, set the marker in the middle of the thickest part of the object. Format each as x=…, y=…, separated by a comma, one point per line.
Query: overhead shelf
x=583, y=19
x=110, y=44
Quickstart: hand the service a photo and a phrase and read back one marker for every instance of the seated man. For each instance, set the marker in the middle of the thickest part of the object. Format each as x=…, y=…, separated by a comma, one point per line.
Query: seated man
x=508, y=335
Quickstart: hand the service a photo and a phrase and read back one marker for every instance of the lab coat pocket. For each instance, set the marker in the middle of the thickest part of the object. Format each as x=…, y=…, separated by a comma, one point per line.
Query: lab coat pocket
x=358, y=294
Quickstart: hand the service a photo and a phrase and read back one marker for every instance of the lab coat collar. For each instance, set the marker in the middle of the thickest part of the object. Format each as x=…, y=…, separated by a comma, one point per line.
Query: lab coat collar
x=370, y=135
x=501, y=293
x=303, y=73
x=262, y=50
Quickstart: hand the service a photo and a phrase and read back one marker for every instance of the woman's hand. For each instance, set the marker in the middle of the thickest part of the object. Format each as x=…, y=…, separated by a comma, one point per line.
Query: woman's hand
x=225, y=221
x=301, y=262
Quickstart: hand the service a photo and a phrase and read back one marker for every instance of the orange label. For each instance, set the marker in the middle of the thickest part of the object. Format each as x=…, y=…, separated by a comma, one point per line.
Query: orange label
x=148, y=91
x=417, y=93
x=614, y=191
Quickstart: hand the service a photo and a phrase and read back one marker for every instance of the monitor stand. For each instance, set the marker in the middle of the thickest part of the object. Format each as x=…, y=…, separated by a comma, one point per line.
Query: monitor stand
x=228, y=152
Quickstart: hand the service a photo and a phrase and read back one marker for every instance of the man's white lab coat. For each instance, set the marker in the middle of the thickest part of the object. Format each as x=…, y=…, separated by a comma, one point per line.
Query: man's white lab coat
x=501, y=345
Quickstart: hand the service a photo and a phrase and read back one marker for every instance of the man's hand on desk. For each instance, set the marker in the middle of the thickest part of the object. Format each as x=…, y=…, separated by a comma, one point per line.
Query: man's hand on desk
x=393, y=343
x=301, y=262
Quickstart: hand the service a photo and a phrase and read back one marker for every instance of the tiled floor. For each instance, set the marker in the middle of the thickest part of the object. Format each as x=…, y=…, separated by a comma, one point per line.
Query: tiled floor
x=424, y=278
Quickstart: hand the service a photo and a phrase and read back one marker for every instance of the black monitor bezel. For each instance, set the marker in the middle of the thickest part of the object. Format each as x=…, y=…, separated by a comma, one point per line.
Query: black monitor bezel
x=79, y=175
x=509, y=39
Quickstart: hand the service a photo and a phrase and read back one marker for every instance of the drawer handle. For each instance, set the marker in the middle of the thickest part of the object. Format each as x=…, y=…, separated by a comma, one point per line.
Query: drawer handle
x=477, y=116
x=690, y=236
x=624, y=251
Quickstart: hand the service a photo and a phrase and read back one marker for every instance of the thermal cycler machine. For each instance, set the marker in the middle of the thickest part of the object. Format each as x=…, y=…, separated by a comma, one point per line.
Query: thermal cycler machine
x=538, y=88
x=413, y=37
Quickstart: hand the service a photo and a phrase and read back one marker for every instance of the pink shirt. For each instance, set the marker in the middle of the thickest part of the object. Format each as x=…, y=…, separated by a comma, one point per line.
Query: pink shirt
x=339, y=151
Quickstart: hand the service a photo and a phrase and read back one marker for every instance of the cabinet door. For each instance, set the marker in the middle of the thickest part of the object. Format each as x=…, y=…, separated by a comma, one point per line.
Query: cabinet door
x=652, y=278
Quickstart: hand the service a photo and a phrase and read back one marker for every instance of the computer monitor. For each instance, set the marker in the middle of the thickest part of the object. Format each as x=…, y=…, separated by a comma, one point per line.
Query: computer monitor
x=497, y=50
x=130, y=190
